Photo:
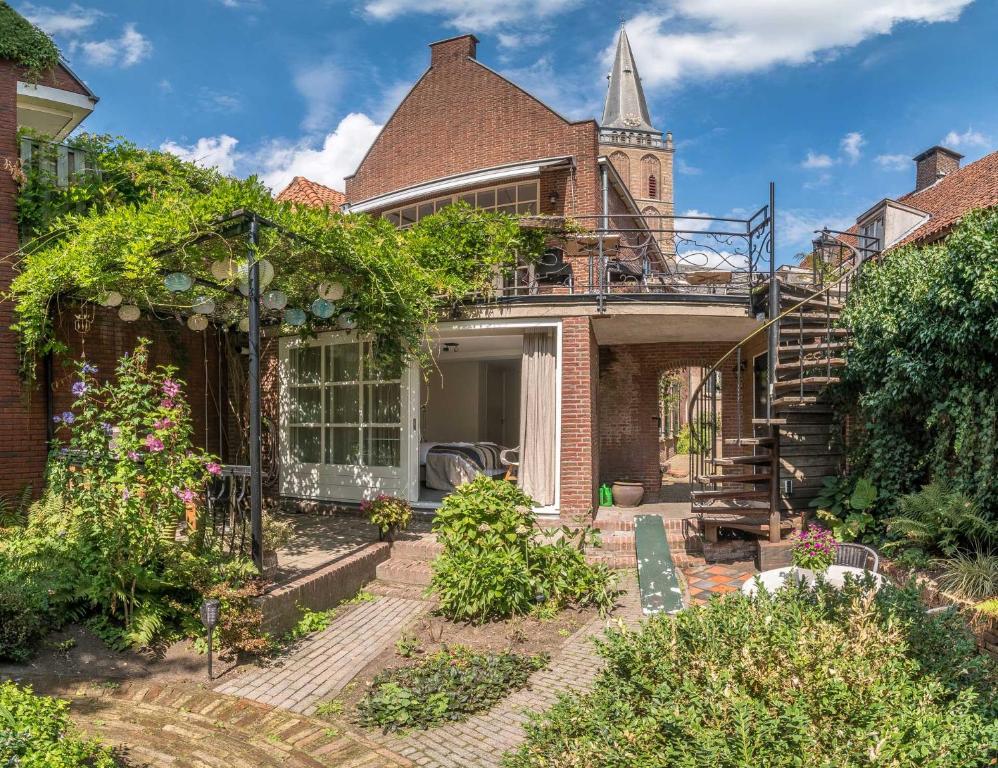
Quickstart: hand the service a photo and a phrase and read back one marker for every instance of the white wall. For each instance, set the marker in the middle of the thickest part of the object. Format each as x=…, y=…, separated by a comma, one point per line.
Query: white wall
x=451, y=402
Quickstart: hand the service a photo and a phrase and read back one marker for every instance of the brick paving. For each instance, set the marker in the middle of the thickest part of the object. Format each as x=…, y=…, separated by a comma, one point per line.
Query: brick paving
x=186, y=726
x=705, y=581
x=481, y=740
x=323, y=665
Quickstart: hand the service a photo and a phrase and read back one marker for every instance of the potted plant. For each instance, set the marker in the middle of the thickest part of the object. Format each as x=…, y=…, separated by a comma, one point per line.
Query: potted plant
x=814, y=549
x=389, y=513
x=277, y=532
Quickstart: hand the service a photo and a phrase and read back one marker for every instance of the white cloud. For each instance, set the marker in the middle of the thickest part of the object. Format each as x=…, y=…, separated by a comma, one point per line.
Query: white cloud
x=125, y=51
x=893, y=162
x=219, y=101
x=686, y=169
x=338, y=155
x=210, y=152
x=683, y=39
x=817, y=160
x=472, y=14
x=969, y=138
x=514, y=40
x=556, y=90
x=74, y=20
x=796, y=228
x=319, y=84
x=851, y=145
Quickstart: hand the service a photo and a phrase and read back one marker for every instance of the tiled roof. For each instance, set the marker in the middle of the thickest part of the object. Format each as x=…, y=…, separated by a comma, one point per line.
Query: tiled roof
x=957, y=193
x=306, y=192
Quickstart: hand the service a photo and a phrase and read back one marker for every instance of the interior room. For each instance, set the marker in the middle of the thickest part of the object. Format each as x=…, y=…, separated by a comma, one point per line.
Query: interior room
x=470, y=404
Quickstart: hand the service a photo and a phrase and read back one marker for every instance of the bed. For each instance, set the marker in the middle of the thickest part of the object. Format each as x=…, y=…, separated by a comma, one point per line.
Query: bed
x=448, y=465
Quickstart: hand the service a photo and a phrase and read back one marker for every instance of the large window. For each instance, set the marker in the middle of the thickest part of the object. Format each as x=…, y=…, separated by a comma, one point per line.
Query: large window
x=344, y=409
x=516, y=199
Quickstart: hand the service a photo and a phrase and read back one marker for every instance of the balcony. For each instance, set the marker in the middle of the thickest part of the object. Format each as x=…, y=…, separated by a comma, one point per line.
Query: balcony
x=51, y=111
x=62, y=162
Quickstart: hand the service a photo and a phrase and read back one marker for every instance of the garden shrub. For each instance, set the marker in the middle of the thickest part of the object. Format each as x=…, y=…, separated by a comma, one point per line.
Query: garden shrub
x=803, y=678
x=388, y=513
x=922, y=365
x=492, y=567
x=939, y=520
x=36, y=732
x=450, y=685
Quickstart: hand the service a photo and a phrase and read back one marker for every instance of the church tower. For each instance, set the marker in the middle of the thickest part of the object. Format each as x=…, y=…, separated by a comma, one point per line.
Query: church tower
x=627, y=137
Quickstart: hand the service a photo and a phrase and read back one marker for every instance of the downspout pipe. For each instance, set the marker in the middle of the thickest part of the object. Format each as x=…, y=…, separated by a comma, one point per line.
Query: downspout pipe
x=256, y=478
x=604, y=226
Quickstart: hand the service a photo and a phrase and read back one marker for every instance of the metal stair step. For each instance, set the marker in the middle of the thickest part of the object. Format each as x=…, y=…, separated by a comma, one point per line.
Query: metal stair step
x=728, y=494
x=752, y=477
x=791, y=400
x=733, y=461
x=790, y=330
x=807, y=381
x=796, y=349
x=795, y=366
x=762, y=442
x=769, y=422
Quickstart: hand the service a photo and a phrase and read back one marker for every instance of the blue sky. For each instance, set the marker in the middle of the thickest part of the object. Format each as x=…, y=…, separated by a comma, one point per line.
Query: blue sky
x=828, y=98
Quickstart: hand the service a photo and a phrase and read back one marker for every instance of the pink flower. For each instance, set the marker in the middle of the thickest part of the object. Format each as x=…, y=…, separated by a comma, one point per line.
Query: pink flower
x=125, y=494
x=133, y=455
x=166, y=403
x=186, y=495
x=171, y=388
x=214, y=468
x=163, y=423
x=153, y=443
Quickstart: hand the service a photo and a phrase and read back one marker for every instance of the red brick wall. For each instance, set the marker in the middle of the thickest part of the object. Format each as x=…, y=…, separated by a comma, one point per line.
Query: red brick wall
x=463, y=117
x=629, y=405
x=579, y=397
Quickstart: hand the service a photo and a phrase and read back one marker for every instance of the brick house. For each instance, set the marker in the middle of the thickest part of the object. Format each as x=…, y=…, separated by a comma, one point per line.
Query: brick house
x=616, y=310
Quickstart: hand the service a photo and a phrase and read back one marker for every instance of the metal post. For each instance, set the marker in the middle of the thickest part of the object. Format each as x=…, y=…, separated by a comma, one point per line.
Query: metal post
x=256, y=483
x=774, y=304
x=211, y=675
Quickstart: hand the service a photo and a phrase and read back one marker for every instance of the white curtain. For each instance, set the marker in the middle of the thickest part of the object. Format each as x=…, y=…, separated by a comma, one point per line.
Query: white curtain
x=537, y=417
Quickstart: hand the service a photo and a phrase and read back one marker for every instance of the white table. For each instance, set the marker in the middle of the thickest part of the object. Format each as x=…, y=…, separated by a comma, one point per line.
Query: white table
x=835, y=576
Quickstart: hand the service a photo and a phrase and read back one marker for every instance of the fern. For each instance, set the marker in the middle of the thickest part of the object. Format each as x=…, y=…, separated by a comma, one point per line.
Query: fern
x=939, y=519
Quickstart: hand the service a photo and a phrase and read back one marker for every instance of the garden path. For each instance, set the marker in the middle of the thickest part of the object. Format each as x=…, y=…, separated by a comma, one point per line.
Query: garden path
x=325, y=662
x=185, y=726
x=481, y=740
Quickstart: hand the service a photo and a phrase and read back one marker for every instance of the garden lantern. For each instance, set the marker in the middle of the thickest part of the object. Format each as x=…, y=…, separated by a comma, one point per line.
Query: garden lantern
x=322, y=309
x=331, y=291
x=294, y=316
x=210, y=612
x=178, y=282
x=111, y=299
x=129, y=313
x=346, y=322
x=197, y=322
x=275, y=300
x=204, y=305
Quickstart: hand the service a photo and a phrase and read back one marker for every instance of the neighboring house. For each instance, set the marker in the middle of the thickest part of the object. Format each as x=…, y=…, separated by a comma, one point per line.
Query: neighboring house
x=306, y=192
x=565, y=364
x=944, y=192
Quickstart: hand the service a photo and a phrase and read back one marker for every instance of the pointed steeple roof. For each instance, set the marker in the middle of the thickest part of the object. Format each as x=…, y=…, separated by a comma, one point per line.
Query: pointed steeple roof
x=625, y=107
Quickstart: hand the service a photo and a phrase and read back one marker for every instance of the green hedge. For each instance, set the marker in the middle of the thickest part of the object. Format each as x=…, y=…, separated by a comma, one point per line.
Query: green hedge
x=829, y=679
x=36, y=732
x=922, y=365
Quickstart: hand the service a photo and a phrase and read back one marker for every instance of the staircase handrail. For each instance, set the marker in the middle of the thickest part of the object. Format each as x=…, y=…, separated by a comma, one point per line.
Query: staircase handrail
x=858, y=260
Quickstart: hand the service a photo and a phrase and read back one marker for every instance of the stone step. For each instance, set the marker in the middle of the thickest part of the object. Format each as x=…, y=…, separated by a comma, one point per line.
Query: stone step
x=415, y=572
x=425, y=548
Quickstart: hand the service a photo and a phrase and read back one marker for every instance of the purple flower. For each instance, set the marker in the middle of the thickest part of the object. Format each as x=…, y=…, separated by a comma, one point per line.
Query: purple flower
x=186, y=495
x=171, y=388
x=79, y=388
x=87, y=368
x=214, y=468
x=133, y=455
x=166, y=403
x=125, y=494
x=163, y=423
x=57, y=418
x=68, y=417
x=108, y=429
x=153, y=443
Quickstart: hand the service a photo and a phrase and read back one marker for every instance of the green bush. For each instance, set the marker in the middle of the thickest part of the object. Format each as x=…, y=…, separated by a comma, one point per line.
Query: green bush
x=492, y=567
x=846, y=506
x=810, y=679
x=36, y=732
x=388, y=513
x=449, y=685
x=939, y=520
x=922, y=364
x=973, y=575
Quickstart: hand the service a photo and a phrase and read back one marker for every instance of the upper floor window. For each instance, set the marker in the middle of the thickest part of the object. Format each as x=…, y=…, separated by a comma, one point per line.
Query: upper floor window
x=514, y=199
x=652, y=187
x=872, y=236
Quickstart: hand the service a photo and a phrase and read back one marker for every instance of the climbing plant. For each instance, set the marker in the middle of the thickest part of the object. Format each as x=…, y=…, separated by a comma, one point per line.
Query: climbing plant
x=922, y=366
x=24, y=43
x=148, y=213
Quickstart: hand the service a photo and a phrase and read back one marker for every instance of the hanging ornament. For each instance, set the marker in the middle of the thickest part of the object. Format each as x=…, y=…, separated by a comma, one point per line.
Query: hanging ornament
x=197, y=322
x=129, y=313
x=294, y=316
x=331, y=291
x=225, y=271
x=322, y=309
x=111, y=299
x=276, y=300
x=244, y=325
x=266, y=272
x=178, y=281
x=204, y=305
x=346, y=321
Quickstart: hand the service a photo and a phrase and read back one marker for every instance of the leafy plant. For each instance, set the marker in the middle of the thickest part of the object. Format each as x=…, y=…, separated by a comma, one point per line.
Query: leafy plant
x=971, y=574
x=14, y=512
x=492, y=567
x=308, y=623
x=450, y=685
x=25, y=44
x=689, y=439
x=37, y=731
x=845, y=507
x=407, y=646
x=389, y=513
x=814, y=549
x=821, y=677
x=939, y=519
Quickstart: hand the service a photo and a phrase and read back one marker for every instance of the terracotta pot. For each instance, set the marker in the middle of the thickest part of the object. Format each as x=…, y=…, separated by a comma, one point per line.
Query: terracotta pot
x=627, y=494
x=191, y=513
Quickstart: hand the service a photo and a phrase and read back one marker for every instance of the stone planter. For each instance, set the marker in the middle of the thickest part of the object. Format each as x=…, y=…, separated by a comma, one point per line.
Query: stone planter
x=627, y=494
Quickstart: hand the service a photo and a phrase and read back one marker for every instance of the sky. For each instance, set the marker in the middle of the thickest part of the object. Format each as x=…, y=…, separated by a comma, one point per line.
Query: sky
x=830, y=99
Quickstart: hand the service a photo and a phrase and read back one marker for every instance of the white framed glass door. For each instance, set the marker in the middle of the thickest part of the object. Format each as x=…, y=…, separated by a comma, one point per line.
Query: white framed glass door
x=347, y=423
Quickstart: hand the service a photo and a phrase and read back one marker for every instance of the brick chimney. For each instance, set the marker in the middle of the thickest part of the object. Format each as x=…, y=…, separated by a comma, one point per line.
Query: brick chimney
x=934, y=163
x=461, y=47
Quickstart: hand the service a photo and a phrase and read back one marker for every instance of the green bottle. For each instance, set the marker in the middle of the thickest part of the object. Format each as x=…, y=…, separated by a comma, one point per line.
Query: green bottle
x=605, y=496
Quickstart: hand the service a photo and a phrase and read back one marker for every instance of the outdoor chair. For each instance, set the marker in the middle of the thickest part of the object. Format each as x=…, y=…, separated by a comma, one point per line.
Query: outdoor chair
x=510, y=458
x=858, y=556
x=552, y=269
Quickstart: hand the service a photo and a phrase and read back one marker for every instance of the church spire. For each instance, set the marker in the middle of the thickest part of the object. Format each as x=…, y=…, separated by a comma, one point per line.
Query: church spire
x=625, y=108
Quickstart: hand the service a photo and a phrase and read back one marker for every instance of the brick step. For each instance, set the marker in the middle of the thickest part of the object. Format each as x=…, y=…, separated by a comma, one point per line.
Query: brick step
x=415, y=572
x=622, y=559
x=425, y=549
